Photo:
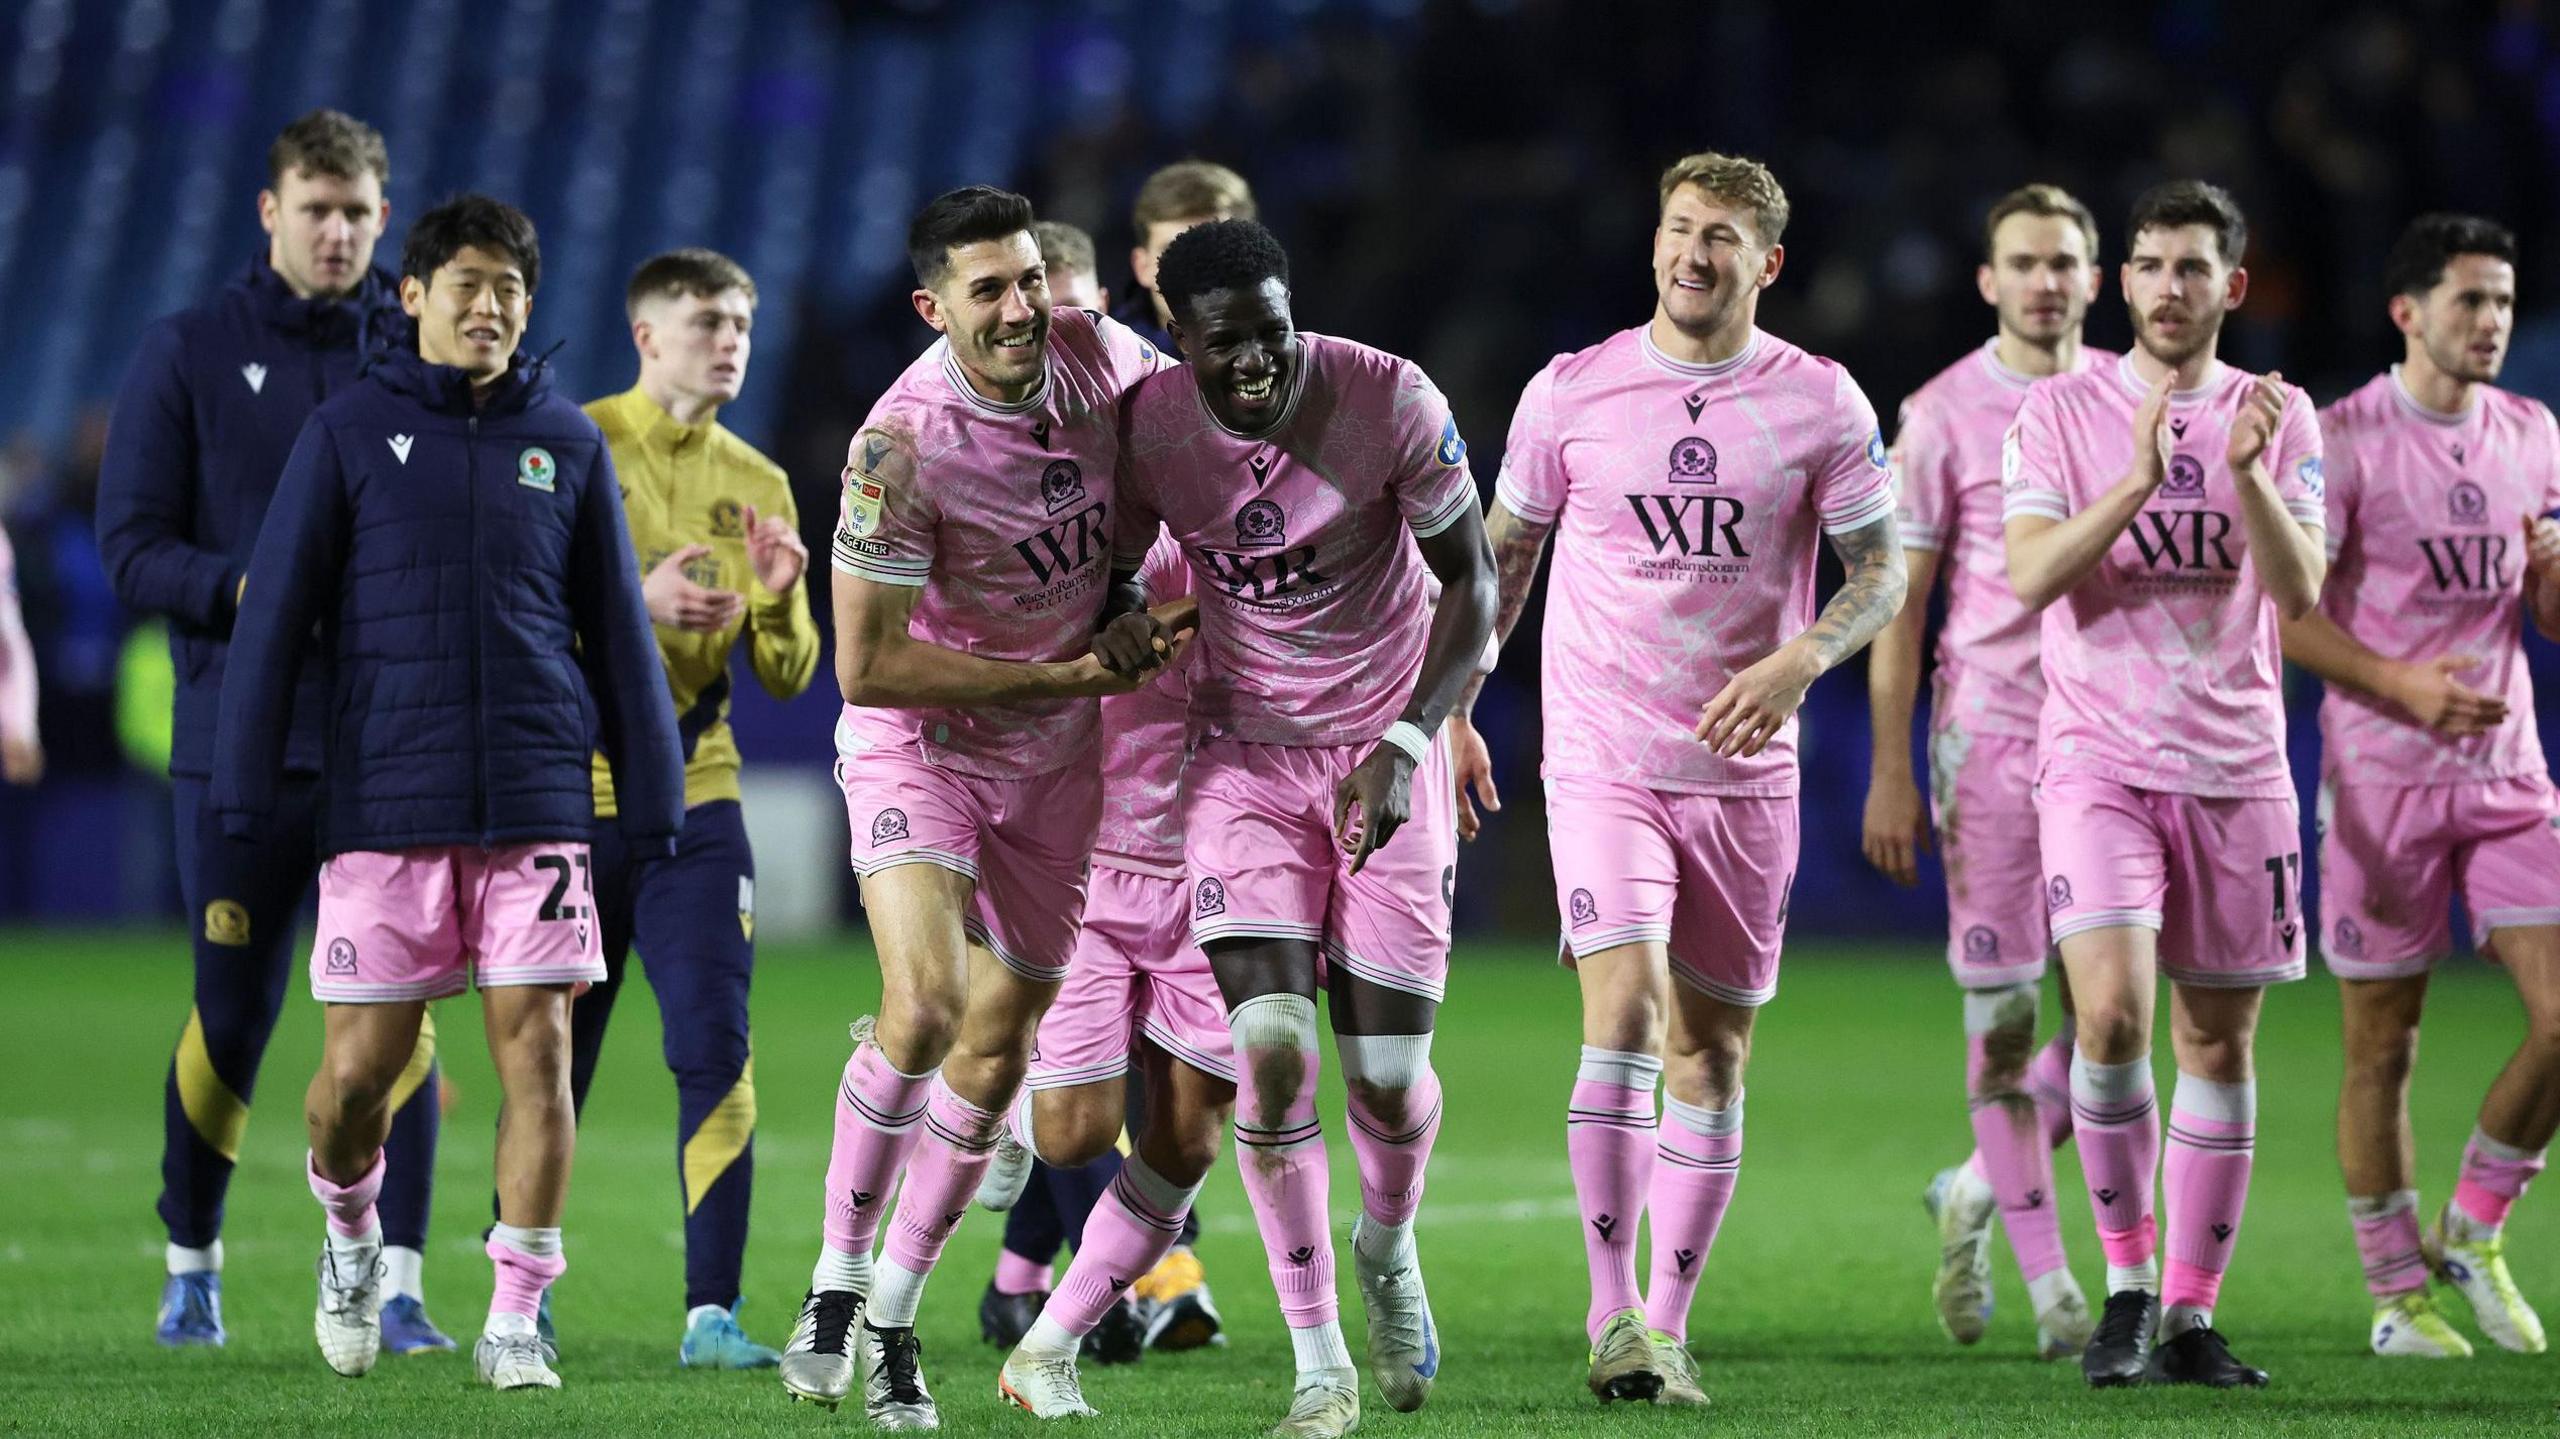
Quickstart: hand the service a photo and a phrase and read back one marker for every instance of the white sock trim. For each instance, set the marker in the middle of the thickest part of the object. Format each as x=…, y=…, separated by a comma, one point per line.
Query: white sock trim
x=2212, y=1099
x=207, y=1260
x=895, y=1296
x=2144, y=1276
x=404, y=1272
x=1165, y=1196
x=1319, y=1347
x=2382, y=1206
x=2110, y=1083
x=837, y=1270
x=1386, y=1061
x=2500, y=1149
x=540, y=1243
x=2010, y=1005
x=1623, y=1068
x=1048, y=1339
x=1700, y=1120
x=1273, y=1021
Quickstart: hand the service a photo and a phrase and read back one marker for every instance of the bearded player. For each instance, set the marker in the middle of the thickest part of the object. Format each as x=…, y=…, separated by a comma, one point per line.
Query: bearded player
x=2039, y=276
x=2432, y=777
x=1318, y=834
x=2163, y=512
x=1693, y=464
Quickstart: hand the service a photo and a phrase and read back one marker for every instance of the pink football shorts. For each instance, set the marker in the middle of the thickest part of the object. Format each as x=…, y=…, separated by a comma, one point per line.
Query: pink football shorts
x=429, y=922
x=1707, y=876
x=2219, y=880
x=1135, y=971
x=1982, y=791
x=1025, y=844
x=2391, y=860
x=1263, y=863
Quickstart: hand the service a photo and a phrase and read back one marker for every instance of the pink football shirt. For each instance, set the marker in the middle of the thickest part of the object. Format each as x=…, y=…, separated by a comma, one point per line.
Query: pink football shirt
x=1006, y=529
x=17, y=655
x=1946, y=457
x=2426, y=532
x=2162, y=670
x=1313, y=603
x=1688, y=502
x=1144, y=745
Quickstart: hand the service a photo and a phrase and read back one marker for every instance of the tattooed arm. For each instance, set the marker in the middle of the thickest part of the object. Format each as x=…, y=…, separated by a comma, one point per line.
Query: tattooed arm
x=1755, y=704
x=1518, y=545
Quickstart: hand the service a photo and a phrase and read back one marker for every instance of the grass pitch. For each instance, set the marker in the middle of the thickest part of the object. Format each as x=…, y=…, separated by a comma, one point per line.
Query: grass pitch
x=1814, y=1319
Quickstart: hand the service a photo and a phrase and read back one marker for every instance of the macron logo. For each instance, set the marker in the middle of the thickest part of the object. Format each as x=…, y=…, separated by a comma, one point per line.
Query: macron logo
x=400, y=446
x=256, y=375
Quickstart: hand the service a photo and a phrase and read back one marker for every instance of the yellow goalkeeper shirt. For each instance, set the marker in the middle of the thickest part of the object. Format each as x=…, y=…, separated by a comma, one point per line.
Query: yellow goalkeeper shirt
x=691, y=485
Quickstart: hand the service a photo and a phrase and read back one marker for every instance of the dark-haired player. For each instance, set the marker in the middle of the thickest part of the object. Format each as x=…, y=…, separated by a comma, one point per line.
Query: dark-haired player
x=2163, y=512
x=2433, y=781
x=718, y=541
x=450, y=526
x=1317, y=815
x=972, y=553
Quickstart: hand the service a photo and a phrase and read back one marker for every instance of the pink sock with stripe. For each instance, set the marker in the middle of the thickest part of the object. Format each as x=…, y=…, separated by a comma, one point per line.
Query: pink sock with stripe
x=1609, y=1142
x=1280, y=1151
x=879, y=1113
x=1697, y=1158
x=2213, y=1138
x=2116, y=1120
x=2387, y=1241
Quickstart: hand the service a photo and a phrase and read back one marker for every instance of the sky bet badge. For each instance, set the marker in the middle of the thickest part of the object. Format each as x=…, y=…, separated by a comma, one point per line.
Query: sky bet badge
x=862, y=500
x=534, y=469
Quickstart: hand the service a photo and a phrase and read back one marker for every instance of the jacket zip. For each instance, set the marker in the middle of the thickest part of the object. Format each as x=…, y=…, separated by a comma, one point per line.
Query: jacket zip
x=479, y=727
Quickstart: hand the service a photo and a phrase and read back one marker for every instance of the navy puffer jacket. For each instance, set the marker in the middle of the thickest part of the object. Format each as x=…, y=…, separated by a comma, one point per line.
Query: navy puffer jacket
x=471, y=581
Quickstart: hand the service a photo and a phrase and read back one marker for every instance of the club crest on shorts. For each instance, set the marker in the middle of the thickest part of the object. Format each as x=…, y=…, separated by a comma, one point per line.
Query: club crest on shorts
x=887, y=825
x=2348, y=938
x=226, y=922
x=2469, y=503
x=535, y=470
x=1261, y=523
x=1061, y=484
x=1981, y=945
x=1211, y=898
x=1584, y=908
x=342, y=957
x=2057, y=892
x=1693, y=460
x=2185, y=478
x=1448, y=884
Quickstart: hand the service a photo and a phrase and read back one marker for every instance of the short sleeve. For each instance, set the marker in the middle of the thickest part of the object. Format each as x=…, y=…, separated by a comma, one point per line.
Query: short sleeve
x=2301, y=469
x=2344, y=482
x=884, y=527
x=2031, y=476
x=1131, y=356
x=1924, y=476
x=1165, y=575
x=1532, y=483
x=1855, y=487
x=2548, y=433
x=1432, y=485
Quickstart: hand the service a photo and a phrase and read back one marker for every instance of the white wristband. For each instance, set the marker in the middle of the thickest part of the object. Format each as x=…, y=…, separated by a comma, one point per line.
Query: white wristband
x=1407, y=736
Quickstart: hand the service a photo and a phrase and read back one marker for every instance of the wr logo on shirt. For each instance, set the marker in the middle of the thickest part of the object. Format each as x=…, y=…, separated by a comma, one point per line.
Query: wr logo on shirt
x=1067, y=546
x=2473, y=564
x=1691, y=524
x=1261, y=577
x=2184, y=539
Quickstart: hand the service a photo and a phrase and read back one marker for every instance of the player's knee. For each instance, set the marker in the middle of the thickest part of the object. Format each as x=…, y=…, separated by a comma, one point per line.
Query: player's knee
x=360, y=1082
x=1071, y=1134
x=2000, y=1031
x=918, y=1029
x=2111, y=1032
